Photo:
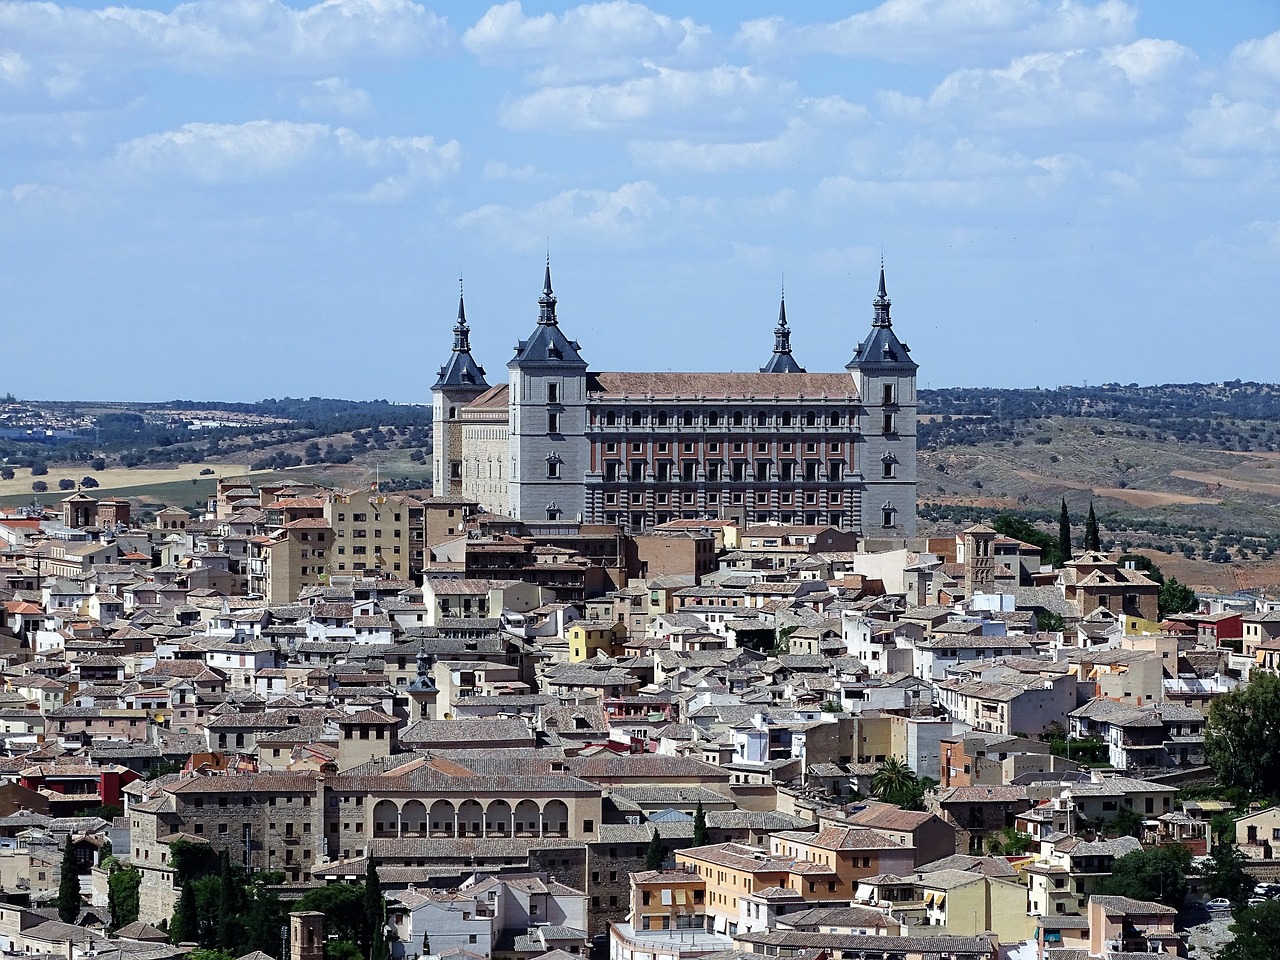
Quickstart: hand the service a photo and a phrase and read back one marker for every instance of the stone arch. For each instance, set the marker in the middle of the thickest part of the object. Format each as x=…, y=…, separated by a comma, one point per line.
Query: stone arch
x=442, y=819
x=413, y=818
x=498, y=819
x=386, y=819
x=555, y=819
x=528, y=819
x=470, y=819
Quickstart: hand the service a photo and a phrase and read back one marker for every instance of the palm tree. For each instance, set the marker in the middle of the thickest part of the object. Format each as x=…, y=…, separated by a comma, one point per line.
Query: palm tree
x=891, y=779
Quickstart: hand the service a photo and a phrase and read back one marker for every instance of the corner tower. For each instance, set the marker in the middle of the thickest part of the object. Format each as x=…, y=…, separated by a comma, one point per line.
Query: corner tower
x=782, y=361
x=885, y=376
x=459, y=382
x=547, y=414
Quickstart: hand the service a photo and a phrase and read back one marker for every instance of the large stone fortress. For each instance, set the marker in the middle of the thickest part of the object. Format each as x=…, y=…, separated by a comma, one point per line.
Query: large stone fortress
x=562, y=442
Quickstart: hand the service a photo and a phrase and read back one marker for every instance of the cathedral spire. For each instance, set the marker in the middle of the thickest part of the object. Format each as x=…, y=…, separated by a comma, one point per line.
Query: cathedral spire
x=547, y=302
x=881, y=303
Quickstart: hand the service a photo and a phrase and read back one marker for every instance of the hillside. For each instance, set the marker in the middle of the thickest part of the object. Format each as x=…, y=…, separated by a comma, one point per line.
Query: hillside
x=1189, y=469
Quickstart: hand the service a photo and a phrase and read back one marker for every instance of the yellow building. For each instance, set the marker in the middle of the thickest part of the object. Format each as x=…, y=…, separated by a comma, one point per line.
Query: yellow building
x=968, y=904
x=374, y=534
x=668, y=900
x=586, y=638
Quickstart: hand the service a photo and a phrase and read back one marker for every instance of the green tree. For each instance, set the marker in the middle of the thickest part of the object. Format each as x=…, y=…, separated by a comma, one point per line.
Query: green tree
x=230, y=905
x=1255, y=934
x=892, y=778
x=1224, y=875
x=1158, y=874
x=375, y=915
x=1126, y=823
x=69, y=902
x=262, y=921
x=1176, y=598
x=343, y=908
x=183, y=926
x=1092, y=540
x=122, y=896
x=1064, y=534
x=39, y=486
x=700, y=836
x=1242, y=738
x=1009, y=525
x=654, y=856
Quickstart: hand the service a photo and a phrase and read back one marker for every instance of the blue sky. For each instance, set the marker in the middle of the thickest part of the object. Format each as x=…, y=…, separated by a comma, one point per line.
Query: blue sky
x=234, y=199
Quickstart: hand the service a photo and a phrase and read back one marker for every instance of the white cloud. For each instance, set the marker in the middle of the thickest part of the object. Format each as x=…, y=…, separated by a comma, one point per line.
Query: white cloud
x=908, y=30
x=1225, y=127
x=13, y=69
x=334, y=95
x=1107, y=90
x=215, y=154
x=704, y=157
x=724, y=96
x=1259, y=57
x=223, y=35
x=592, y=41
x=616, y=216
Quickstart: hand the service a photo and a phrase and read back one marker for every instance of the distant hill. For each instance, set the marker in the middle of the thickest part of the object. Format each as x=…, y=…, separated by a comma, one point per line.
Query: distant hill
x=1188, y=468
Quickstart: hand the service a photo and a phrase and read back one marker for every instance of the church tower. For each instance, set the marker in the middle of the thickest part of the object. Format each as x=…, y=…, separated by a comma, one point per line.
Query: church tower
x=885, y=376
x=459, y=382
x=782, y=361
x=547, y=416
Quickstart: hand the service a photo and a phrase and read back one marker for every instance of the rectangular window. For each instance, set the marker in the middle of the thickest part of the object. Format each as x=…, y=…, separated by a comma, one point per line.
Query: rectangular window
x=553, y=393
x=553, y=423
x=553, y=470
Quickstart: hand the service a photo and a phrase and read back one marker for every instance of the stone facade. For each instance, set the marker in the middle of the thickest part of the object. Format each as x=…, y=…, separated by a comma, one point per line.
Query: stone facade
x=560, y=442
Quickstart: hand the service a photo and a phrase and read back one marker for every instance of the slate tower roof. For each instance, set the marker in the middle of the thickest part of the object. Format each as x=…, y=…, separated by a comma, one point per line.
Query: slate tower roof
x=882, y=346
x=461, y=370
x=548, y=344
x=782, y=361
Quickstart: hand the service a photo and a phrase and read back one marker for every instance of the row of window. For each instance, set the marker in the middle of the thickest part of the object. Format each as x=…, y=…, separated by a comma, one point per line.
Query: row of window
x=714, y=471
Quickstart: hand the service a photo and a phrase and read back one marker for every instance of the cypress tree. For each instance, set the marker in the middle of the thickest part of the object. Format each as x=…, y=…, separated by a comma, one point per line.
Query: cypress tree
x=700, y=835
x=68, y=886
x=1091, y=538
x=654, y=856
x=182, y=928
x=1064, y=533
x=230, y=932
x=375, y=915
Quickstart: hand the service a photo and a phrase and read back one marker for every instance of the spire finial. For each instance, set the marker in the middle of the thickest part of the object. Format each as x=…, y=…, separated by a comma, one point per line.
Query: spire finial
x=881, y=302
x=547, y=302
x=461, y=332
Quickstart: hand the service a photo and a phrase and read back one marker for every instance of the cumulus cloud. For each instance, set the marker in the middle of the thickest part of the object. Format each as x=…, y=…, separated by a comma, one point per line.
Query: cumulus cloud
x=722, y=96
x=1224, y=127
x=1259, y=57
x=221, y=154
x=910, y=30
x=603, y=215
x=71, y=50
x=593, y=41
x=1107, y=89
x=334, y=95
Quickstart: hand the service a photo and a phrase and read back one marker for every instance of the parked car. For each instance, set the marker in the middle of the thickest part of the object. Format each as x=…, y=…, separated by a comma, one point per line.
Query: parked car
x=1218, y=903
x=1254, y=901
